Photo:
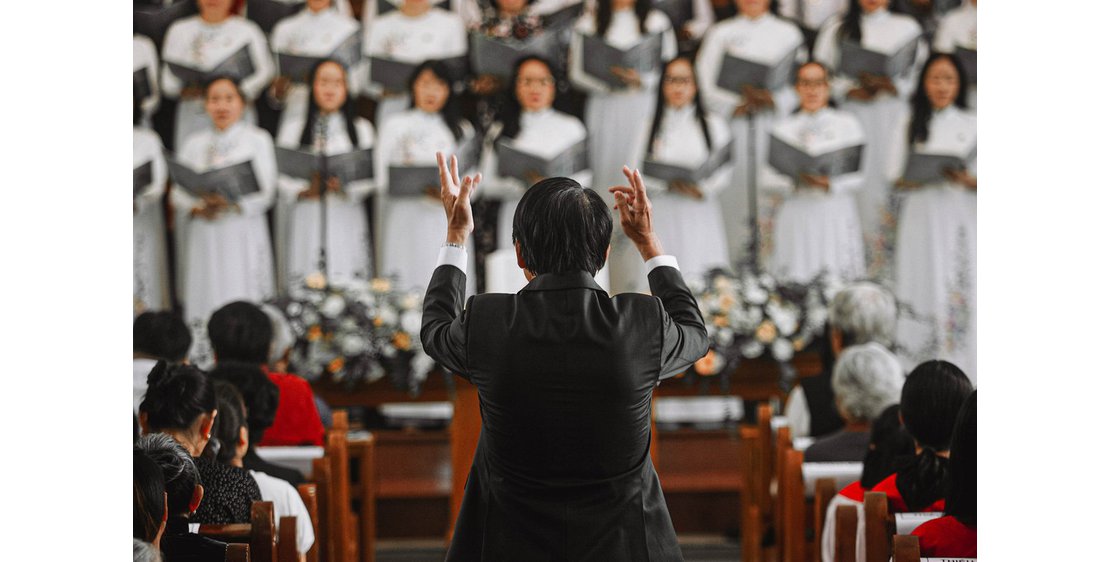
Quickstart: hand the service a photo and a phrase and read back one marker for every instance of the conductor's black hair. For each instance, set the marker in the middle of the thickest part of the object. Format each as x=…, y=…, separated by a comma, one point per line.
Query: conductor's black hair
x=562, y=227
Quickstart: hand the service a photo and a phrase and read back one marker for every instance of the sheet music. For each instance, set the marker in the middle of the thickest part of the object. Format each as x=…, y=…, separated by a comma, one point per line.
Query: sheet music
x=737, y=72
x=793, y=161
x=598, y=57
x=238, y=66
x=563, y=18
x=144, y=175
x=298, y=68
x=515, y=163
x=929, y=168
x=267, y=13
x=677, y=172
x=905, y=523
x=412, y=181
x=393, y=75
x=489, y=55
x=350, y=166
x=233, y=182
x=855, y=59
x=142, y=84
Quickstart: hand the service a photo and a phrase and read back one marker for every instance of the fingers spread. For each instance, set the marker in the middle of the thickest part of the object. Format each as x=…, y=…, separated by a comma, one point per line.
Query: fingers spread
x=455, y=169
x=443, y=188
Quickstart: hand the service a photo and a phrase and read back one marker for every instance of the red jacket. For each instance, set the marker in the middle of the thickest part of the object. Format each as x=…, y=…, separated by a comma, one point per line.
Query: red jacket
x=946, y=537
x=897, y=504
x=297, y=422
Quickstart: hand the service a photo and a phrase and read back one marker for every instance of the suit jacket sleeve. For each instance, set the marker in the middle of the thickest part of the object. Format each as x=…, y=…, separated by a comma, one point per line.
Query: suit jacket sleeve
x=444, y=326
x=684, y=336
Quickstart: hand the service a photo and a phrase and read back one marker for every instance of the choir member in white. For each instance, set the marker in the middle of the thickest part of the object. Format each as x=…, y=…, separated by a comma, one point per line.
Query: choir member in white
x=145, y=57
x=412, y=226
x=688, y=216
x=315, y=31
x=878, y=101
x=757, y=35
x=615, y=116
x=958, y=29
x=202, y=42
x=817, y=228
x=415, y=32
x=935, y=251
x=812, y=15
x=225, y=252
x=151, y=283
x=529, y=124
x=328, y=122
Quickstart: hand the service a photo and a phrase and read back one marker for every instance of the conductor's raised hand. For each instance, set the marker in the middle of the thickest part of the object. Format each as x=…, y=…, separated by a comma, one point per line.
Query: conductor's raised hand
x=636, y=214
x=455, y=195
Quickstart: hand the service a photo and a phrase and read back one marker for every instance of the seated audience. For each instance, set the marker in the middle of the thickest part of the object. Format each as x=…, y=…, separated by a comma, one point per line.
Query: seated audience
x=184, y=494
x=181, y=402
x=228, y=446
x=154, y=336
x=867, y=379
x=954, y=535
x=149, y=493
x=242, y=333
x=931, y=399
x=860, y=313
x=261, y=398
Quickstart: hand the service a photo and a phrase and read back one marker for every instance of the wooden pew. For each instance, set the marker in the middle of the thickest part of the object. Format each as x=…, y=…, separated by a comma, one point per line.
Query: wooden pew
x=791, y=491
x=260, y=533
x=466, y=428
x=342, y=540
x=321, y=476
x=307, y=492
x=823, y=493
x=237, y=553
x=906, y=549
x=368, y=496
x=751, y=525
x=878, y=527
x=847, y=519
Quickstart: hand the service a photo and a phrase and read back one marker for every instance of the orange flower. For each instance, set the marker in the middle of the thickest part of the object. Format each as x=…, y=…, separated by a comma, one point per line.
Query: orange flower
x=314, y=333
x=766, y=332
x=704, y=366
x=402, y=341
x=378, y=321
x=335, y=365
x=720, y=320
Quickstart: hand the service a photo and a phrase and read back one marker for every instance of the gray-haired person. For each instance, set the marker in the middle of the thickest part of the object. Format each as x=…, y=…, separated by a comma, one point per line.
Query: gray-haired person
x=145, y=552
x=867, y=378
x=860, y=313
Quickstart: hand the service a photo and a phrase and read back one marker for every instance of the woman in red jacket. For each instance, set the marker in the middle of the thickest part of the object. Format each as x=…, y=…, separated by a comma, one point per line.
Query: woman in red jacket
x=954, y=535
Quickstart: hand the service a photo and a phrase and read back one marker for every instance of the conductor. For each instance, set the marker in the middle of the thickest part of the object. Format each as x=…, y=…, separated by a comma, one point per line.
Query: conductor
x=564, y=375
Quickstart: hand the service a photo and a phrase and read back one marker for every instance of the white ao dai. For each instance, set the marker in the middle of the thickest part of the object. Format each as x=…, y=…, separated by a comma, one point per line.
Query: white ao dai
x=935, y=252
x=229, y=258
x=151, y=282
x=414, y=228
x=195, y=43
x=298, y=229
x=816, y=231
x=145, y=57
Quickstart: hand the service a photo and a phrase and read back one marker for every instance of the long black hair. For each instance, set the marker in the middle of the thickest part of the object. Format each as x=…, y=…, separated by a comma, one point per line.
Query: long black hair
x=348, y=108
x=225, y=429
x=923, y=108
x=259, y=394
x=850, y=24
x=931, y=399
x=959, y=501
x=604, y=15
x=451, y=112
x=176, y=396
x=889, y=444
x=509, y=116
x=660, y=104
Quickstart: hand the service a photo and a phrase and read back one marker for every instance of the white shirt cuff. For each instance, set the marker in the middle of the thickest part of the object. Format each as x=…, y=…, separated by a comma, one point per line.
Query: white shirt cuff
x=450, y=255
x=662, y=260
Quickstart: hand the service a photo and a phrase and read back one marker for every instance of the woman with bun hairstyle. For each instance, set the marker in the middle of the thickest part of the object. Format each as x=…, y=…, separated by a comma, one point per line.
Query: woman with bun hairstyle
x=181, y=402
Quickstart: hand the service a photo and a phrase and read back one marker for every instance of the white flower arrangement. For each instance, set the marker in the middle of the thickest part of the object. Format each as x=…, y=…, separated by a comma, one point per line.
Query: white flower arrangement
x=357, y=332
x=751, y=315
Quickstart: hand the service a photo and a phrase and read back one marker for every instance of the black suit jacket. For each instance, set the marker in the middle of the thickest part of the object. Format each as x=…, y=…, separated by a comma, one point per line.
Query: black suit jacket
x=564, y=376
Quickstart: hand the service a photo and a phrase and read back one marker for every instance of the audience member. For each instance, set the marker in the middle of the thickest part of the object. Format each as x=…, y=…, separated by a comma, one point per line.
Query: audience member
x=229, y=445
x=860, y=313
x=184, y=494
x=146, y=552
x=156, y=336
x=181, y=402
x=954, y=535
x=149, y=510
x=300, y=420
x=866, y=380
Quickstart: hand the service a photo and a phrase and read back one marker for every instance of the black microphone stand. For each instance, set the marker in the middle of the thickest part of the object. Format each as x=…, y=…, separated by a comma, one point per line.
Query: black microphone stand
x=322, y=170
